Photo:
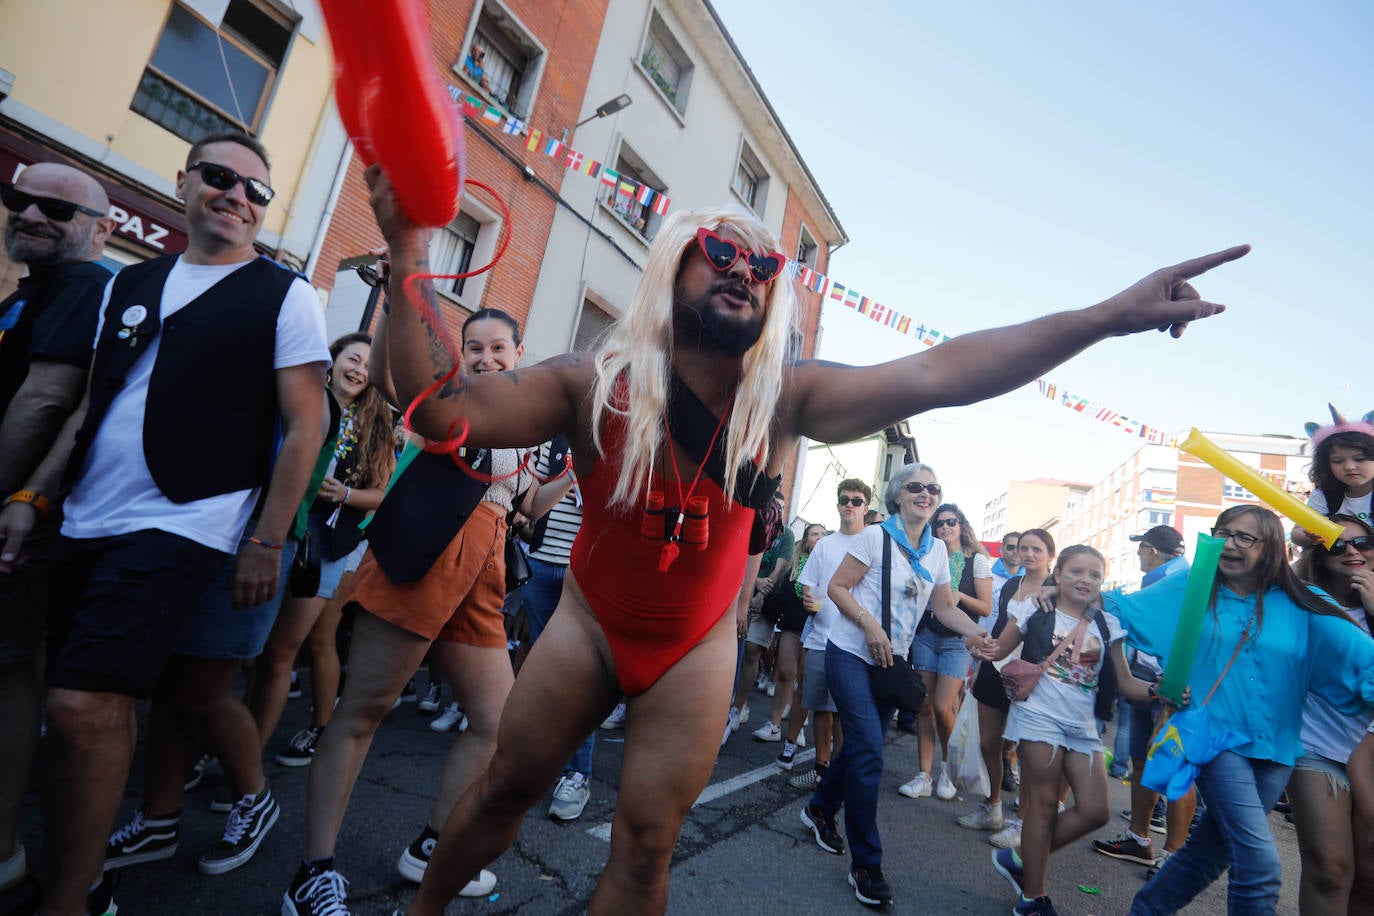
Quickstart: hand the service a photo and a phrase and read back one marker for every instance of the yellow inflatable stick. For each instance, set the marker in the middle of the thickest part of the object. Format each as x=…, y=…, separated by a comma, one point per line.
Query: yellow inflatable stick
x=1297, y=512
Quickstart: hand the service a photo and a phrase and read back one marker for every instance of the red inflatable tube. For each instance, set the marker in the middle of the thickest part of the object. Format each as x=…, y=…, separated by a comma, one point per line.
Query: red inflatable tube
x=392, y=105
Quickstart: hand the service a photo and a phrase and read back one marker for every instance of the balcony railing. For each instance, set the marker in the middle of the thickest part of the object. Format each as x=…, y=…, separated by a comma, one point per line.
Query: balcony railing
x=163, y=102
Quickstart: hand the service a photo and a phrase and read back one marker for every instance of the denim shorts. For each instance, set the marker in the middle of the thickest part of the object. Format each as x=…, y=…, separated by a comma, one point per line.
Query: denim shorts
x=355, y=559
x=1334, y=770
x=945, y=655
x=218, y=630
x=1025, y=724
x=815, y=690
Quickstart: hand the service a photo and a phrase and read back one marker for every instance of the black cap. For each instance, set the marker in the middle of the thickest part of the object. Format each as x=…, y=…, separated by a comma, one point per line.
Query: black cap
x=1162, y=538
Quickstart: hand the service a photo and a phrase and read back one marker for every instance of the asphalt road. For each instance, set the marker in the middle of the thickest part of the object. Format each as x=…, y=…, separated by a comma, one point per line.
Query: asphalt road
x=743, y=848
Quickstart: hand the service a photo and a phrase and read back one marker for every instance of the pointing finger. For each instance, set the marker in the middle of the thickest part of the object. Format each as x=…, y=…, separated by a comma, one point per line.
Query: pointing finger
x=1189, y=269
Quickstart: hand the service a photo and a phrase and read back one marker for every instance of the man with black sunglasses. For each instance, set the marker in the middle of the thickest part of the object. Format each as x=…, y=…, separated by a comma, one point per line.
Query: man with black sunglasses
x=206, y=394
x=56, y=227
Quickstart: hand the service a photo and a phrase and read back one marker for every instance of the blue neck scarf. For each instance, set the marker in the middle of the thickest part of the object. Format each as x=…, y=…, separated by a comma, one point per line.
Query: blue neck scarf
x=1000, y=569
x=894, y=527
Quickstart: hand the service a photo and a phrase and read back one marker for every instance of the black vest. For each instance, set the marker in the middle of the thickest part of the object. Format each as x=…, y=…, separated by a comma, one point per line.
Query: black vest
x=965, y=587
x=422, y=513
x=210, y=419
x=1039, y=643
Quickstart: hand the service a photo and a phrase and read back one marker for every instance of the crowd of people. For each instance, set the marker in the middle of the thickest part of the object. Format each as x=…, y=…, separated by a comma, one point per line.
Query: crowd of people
x=157, y=550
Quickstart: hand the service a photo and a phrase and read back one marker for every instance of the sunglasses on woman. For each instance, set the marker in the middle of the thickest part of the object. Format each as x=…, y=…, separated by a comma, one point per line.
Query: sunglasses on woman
x=1362, y=543
x=945, y=522
x=222, y=178
x=723, y=253
x=54, y=208
x=916, y=489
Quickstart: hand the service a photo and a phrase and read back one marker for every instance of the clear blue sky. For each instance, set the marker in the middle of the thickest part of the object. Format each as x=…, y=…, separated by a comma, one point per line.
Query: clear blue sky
x=995, y=161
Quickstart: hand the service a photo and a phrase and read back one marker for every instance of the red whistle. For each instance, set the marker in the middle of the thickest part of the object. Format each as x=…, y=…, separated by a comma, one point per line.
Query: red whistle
x=392, y=104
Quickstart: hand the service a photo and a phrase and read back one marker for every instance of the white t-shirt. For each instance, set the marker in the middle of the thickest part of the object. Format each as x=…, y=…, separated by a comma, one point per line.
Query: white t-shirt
x=1066, y=691
x=115, y=493
x=910, y=593
x=1358, y=506
x=1327, y=732
x=825, y=558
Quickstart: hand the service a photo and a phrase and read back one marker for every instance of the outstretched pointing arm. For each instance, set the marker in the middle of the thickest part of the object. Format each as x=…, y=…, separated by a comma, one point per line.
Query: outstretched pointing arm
x=833, y=403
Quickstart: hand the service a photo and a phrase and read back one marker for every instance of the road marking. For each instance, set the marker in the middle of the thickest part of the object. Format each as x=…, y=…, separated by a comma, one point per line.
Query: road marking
x=721, y=789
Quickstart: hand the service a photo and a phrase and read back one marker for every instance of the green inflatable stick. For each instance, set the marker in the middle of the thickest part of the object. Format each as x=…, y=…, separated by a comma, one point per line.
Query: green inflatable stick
x=1195, y=597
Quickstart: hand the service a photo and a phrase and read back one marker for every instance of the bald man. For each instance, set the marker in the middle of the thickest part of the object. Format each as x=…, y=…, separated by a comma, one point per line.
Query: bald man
x=57, y=223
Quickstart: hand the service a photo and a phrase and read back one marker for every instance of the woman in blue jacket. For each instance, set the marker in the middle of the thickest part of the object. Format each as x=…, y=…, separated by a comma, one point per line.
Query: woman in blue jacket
x=1267, y=640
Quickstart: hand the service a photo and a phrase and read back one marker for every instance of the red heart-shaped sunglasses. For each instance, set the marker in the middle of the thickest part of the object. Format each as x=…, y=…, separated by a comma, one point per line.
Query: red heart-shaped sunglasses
x=722, y=254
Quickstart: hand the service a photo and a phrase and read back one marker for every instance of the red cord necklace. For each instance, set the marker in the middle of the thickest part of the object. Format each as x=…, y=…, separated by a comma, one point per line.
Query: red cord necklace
x=670, y=550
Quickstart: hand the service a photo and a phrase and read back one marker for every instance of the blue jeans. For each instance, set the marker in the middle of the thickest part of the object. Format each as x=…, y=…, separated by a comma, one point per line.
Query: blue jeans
x=541, y=598
x=1233, y=832
x=852, y=780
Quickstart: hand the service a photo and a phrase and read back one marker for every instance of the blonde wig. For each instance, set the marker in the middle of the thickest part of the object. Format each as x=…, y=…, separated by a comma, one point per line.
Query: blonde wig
x=640, y=346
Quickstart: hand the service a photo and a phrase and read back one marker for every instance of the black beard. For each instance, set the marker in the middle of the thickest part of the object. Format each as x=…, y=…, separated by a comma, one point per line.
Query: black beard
x=698, y=324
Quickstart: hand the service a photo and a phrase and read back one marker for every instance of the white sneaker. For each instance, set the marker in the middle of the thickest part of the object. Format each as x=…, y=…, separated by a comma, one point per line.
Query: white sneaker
x=479, y=886
x=944, y=788
x=772, y=688
x=744, y=715
x=1009, y=837
x=616, y=719
x=987, y=817
x=733, y=724
x=449, y=719
x=768, y=732
x=801, y=736
x=917, y=788
x=433, y=698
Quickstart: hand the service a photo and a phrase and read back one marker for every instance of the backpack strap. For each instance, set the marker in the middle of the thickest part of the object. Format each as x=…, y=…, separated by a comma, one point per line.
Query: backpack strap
x=887, y=585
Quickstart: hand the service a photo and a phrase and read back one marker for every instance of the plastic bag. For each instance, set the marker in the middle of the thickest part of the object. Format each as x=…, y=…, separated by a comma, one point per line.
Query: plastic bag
x=965, y=764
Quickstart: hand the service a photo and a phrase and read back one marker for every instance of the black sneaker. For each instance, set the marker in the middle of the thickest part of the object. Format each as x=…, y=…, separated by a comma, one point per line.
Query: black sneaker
x=100, y=902
x=1040, y=906
x=432, y=699
x=316, y=893
x=787, y=755
x=197, y=773
x=415, y=859
x=822, y=826
x=869, y=886
x=302, y=748
x=1127, y=848
x=250, y=820
x=142, y=840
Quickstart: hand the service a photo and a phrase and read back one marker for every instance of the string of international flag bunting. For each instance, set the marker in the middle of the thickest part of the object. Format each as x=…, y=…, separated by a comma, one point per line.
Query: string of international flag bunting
x=829, y=289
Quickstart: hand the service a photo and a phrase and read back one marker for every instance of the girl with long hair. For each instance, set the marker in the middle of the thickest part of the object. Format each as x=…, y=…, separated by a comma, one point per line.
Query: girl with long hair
x=1342, y=471
x=1035, y=552
x=1055, y=725
x=358, y=462
x=1337, y=860
x=939, y=653
x=1268, y=640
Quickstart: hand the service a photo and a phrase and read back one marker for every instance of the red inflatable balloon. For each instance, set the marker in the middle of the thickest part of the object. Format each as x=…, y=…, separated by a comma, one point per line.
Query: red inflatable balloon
x=392, y=104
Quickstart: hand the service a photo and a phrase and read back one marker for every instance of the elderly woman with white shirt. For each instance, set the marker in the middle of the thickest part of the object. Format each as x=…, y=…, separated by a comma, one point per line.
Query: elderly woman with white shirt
x=918, y=580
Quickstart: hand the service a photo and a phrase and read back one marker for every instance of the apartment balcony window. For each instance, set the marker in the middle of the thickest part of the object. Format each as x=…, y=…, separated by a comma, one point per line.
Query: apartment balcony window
x=204, y=78
x=502, y=59
x=666, y=64
x=806, y=248
x=631, y=207
x=750, y=182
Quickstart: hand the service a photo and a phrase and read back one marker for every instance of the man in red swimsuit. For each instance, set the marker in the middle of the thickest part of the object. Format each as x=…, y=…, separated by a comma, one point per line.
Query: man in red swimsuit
x=644, y=611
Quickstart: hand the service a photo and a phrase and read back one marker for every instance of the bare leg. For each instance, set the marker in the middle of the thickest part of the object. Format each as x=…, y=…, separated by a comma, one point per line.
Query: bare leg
x=169, y=751
x=206, y=696
x=567, y=688
x=925, y=725
x=20, y=696
x=828, y=737
x=669, y=755
x=991, y=723
x=481, y=680
x=785, y=675
x=1044, y=769
x=92, y=736
x=946, y=707
x=1362, y=891
x=1178, y=820
x=324, y=660
x=384, y=657
x=748, y=674
x=1142, y=800
x=1325, y=842
x=273, y=680
x=799, y=710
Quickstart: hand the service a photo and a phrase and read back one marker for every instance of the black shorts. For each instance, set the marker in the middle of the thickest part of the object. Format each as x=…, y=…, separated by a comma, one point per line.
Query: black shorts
x=988, y=689
x=119, y=604
x=794, y=616
x=24, y=593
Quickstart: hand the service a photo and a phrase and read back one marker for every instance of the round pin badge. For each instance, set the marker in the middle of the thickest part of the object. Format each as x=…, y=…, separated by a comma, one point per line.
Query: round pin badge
x=133, y=315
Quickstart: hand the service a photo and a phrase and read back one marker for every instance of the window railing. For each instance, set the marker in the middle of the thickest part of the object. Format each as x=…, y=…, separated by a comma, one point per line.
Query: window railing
x=163, y=102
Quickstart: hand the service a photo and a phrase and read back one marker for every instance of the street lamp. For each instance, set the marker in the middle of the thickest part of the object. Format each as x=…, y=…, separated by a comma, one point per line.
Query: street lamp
x=605, y=108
